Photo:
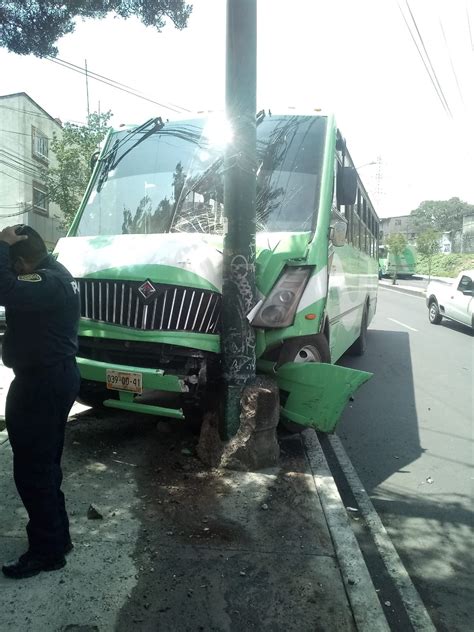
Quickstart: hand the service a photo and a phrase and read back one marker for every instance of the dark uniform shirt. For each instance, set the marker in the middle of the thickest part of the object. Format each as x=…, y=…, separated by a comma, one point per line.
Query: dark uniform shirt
x=42, y=313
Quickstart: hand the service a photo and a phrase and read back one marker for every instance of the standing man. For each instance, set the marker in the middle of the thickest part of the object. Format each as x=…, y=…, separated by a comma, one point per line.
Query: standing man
x=42, y=309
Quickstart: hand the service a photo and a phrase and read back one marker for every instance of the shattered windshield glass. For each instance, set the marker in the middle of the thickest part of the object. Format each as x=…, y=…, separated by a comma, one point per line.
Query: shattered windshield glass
x=173, y=180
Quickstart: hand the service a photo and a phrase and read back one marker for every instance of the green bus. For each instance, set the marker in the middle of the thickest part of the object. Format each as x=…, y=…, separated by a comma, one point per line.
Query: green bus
x=146, y=250
x=404, y=264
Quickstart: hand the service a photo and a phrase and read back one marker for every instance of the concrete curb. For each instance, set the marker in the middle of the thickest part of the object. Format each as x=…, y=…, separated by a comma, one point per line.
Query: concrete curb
x=416, y=610
x=366, y=607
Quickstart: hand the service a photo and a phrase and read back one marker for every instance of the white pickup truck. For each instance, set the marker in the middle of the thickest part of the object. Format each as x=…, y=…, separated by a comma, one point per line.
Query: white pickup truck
x=452, y=300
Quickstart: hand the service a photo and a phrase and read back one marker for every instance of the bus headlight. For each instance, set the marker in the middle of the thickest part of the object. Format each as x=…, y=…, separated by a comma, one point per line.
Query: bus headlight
x=278, y=309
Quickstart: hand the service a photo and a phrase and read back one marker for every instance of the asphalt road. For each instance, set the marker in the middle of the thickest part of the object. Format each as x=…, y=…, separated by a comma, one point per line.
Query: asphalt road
x=409, y=436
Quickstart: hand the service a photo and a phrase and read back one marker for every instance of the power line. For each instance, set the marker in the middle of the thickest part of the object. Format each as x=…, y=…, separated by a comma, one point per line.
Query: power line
x=10, y=131
x=444, y=105
x=14, y=178
x=118, y=83
x=22, y=111
x=429, y=59
x=25, y=210
x=451, y=61
x=469, y=29
x=112, y=83
x=22, y=159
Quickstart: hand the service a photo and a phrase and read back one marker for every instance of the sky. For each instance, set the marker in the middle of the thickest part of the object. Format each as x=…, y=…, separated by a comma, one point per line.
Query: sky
x=354, y=58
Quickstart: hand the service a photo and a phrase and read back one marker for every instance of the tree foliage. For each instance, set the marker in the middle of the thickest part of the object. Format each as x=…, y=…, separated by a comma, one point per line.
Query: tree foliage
x=73, y=149
x=34, y=26
x=428, y=244
x=396, y=243
x=441, y=216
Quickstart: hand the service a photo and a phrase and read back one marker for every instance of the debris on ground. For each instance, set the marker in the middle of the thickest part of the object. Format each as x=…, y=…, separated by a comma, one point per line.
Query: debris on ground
x=93, y=514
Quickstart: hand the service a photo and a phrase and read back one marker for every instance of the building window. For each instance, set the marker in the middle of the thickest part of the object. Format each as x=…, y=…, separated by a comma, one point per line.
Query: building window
x=40, y=144
x=40, y=199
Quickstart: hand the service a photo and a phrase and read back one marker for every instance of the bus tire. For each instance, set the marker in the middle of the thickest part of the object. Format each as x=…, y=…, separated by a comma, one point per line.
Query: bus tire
x=360, y=345
x=433, y=313
x=307, y=349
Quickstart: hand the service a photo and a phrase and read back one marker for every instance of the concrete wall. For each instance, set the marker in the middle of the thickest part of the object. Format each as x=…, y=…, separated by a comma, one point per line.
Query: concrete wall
x=20, y=166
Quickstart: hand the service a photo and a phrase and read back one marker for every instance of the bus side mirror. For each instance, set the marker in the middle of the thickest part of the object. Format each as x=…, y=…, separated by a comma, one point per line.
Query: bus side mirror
x=346, y=192
x=338, y=233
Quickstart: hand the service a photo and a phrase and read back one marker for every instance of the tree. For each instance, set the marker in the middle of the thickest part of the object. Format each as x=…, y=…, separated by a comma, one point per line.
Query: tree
x=74, y=149
x=396, y=245
x=441, y=216
x=427, y=244
x=34, y=26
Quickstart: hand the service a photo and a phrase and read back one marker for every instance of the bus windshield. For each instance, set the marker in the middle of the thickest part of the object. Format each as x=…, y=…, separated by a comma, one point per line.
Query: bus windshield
x=173, y=180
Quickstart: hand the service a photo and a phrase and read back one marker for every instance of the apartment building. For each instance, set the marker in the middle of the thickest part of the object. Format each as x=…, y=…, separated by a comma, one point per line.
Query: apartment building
x=26, y=131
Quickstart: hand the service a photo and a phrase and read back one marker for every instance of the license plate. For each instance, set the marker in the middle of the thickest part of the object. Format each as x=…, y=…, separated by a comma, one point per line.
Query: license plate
x=124, y=381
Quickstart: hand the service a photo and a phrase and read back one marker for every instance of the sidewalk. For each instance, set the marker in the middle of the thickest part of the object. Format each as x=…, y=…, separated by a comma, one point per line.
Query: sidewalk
x=182, y=548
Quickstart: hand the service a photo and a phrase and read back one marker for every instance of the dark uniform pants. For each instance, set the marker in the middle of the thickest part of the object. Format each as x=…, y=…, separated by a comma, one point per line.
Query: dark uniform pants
x=37, y=407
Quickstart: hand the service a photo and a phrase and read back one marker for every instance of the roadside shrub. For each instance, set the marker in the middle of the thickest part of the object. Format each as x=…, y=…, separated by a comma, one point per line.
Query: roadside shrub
x=445, y=265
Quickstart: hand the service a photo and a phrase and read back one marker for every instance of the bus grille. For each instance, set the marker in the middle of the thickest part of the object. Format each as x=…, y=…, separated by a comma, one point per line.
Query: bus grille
x=173, y=308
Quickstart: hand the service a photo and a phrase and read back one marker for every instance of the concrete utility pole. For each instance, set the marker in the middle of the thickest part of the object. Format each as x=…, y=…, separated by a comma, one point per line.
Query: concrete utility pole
x=238, y=291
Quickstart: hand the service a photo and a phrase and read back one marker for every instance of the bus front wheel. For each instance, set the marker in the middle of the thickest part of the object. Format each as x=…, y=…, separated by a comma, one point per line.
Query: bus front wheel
x=312, y=349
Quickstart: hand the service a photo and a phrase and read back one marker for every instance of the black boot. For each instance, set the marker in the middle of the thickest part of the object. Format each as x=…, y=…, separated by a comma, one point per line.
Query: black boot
x=31, y=564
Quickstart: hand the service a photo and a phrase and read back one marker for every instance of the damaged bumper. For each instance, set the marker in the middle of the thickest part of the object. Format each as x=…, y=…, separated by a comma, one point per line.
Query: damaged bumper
x=314, y=394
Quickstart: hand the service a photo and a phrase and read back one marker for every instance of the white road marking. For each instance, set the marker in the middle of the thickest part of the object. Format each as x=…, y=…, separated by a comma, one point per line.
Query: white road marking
x=418, y=614
x=402, y=324
x=406, y=293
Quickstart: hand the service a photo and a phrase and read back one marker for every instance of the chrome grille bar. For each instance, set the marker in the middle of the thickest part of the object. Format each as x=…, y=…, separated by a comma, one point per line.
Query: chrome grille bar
x=205, y=313
x=189, y=309
x=155, y=303
x=121, y=304
x=85, y=293
x=173, y=309
x=129, y=306
x=163, y=310
x=181, y=309
x=114, y=309
x=197, y=312
x=209, y=326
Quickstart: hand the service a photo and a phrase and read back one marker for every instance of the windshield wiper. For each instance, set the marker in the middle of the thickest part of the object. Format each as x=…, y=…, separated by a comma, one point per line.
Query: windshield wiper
x=110, y=160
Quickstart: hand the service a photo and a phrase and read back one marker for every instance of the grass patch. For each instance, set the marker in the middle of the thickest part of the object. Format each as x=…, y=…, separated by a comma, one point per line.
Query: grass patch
x=445, y=265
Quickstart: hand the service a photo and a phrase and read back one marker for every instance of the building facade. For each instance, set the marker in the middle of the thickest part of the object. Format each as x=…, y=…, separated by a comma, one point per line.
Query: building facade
x=26, y=131
x=403, y=224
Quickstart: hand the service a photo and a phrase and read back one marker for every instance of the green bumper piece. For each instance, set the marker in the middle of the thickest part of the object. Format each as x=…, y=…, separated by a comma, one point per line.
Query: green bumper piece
x=317, y=393
x=155, y=379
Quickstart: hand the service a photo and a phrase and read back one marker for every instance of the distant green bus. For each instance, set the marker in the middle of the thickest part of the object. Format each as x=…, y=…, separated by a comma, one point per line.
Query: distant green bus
x=404, y=264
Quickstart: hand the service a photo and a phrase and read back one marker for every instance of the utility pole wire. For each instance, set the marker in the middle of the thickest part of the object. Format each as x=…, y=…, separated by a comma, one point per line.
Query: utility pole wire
x=114, y=84
x=87, y=89
x=423, y=60
x=451, y=62
x=469, y=29
x=429, y=59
